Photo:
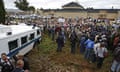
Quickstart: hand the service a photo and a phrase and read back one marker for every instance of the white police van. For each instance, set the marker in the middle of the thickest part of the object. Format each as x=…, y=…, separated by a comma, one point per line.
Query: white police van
x=18, y=39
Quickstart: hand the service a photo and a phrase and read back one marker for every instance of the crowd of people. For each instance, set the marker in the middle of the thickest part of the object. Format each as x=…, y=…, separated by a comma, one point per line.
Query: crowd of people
x=19, y=64
x=95, y=39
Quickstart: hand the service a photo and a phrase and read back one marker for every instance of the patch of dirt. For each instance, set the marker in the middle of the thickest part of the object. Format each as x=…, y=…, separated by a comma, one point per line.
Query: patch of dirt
x=58, y=62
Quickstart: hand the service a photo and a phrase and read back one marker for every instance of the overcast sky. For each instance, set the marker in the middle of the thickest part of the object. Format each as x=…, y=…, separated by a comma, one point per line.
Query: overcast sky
x=53, y=4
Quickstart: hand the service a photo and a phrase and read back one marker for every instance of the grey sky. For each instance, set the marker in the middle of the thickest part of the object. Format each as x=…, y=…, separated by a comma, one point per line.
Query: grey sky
x=53, y=4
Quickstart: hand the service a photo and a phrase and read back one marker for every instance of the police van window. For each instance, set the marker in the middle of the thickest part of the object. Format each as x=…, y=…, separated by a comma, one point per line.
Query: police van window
x=32, y=36
x=13, y=44
x=38, y=32
x=24, y=40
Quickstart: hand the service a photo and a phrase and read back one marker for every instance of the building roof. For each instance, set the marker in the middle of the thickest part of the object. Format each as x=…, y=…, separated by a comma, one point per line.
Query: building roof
x=76, y=7
x=13, y=10
x=82, y=10
x=73, y=4
x=71, y=10
x=106, y=10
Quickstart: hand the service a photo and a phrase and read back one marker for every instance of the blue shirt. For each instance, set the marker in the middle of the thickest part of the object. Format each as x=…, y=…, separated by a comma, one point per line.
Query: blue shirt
x=89, y=43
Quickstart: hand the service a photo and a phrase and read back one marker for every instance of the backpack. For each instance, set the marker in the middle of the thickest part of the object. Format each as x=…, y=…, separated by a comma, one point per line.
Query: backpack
x=117, y=54
x=105, y=54
x=116, y=51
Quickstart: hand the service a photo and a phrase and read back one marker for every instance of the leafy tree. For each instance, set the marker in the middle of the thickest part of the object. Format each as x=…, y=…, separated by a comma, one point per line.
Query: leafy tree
x=2, y=12
x=22, y=4
x=31, y=8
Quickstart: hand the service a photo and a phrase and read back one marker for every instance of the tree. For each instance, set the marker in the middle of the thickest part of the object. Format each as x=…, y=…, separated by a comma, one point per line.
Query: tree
x=22, y=4
x=2, y=12
x=31, y=8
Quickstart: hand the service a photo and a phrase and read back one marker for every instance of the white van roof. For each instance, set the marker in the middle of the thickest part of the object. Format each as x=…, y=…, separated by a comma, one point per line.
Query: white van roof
x=15, y=29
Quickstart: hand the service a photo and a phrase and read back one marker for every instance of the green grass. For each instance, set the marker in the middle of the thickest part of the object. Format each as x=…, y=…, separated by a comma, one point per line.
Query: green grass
x=47, y=45
x=44, y=58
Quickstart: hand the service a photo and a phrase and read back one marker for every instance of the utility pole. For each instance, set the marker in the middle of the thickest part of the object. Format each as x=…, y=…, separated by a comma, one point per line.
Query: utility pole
x=112, y=7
